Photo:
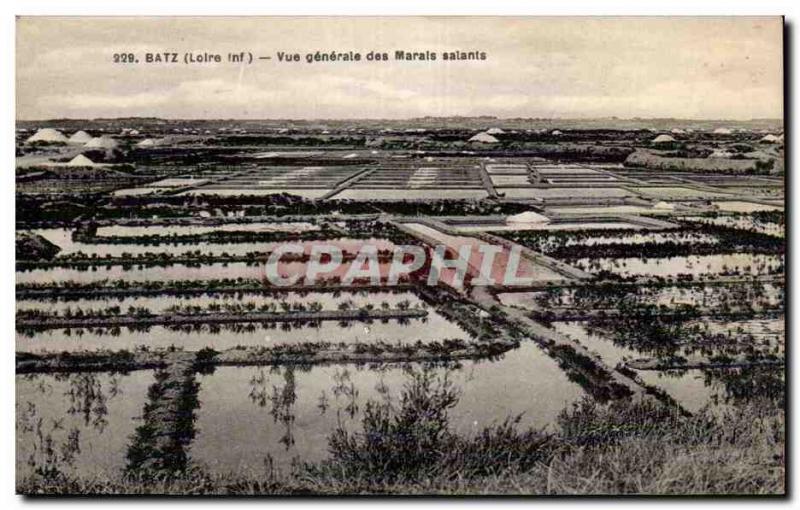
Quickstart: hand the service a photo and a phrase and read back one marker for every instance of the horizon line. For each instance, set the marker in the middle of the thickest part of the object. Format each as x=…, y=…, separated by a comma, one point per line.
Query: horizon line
x=320, y=119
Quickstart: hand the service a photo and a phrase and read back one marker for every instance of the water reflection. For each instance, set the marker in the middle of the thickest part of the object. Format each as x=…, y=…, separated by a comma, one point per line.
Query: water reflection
x=693, y=388
x=77, y=422
x=432, y=328
x=737, y=264
x=285, y=414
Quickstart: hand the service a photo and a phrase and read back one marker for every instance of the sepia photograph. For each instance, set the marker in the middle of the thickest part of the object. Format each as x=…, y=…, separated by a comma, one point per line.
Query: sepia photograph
x=400, y=256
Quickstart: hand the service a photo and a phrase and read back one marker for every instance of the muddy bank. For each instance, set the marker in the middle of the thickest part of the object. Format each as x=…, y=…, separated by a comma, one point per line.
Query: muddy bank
x=92, y=361
x=578, y=314
x=87, y=234
x=34, y=247
x=151, y=259
x=700, y=362
x=301, y=354
x=121, y=288
x=161, y=443
x=139, y=321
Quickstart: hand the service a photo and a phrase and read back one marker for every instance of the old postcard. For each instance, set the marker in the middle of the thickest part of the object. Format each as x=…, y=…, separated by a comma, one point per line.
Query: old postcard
x=400, y=255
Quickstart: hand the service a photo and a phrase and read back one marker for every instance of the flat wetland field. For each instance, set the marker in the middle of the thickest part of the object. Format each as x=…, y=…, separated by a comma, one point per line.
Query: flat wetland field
x=638, y=349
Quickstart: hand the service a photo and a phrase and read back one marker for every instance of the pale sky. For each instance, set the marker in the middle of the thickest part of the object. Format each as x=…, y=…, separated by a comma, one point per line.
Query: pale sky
x=692, y=68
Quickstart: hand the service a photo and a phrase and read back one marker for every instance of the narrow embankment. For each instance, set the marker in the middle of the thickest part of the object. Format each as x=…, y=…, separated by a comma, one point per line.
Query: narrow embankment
x=704, y=362
x=163, y=259
x=298, y=354
x=160, y=443
x=150, y=288
x=140, y=321
x=582, y=314
x=581, y=365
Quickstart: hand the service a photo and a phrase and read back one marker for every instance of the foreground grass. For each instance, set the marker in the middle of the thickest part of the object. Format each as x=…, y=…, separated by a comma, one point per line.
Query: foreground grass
x=409, y=448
